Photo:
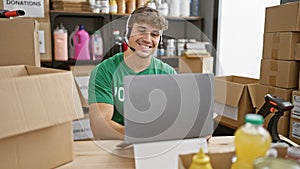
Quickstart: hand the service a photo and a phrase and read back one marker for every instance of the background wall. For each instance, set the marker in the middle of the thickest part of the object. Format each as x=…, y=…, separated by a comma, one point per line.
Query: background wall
x=240, y=36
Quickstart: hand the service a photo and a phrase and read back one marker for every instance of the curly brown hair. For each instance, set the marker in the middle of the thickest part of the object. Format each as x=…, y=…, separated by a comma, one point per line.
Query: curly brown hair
x=149, y=16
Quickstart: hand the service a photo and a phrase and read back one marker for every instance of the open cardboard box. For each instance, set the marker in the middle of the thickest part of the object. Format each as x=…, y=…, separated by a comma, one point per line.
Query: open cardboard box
x=38, y=106
x=221, y=151
x=232, y=99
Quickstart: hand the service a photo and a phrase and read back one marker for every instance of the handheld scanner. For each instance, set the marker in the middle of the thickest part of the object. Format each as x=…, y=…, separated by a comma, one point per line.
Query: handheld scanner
x=273, y=103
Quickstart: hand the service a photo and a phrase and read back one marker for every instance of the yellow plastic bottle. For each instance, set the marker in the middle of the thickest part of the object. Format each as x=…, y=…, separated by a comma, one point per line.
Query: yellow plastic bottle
x=113, y=7
x=201, y=161
x=251, y=141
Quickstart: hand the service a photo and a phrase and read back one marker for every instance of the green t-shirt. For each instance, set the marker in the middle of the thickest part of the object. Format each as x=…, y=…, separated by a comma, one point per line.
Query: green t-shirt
x=106, y=81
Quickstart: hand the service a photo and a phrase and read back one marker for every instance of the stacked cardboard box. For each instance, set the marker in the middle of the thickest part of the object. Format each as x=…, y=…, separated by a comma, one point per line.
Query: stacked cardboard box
x=279, y=71
x=295, y=118
x=40, y=12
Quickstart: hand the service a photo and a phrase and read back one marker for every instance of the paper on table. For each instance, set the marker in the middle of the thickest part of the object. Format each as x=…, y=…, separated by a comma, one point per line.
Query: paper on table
x=164, y=154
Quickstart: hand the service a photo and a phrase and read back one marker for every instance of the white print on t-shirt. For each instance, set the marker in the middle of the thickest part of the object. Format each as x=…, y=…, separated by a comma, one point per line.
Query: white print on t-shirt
x=119, y=93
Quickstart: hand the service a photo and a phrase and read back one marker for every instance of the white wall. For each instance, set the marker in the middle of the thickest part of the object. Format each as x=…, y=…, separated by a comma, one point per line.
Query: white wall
x=240, y=36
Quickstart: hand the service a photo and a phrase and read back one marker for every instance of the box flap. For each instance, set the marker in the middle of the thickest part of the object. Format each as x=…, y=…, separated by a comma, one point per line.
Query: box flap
x=19, y=43
x=227, y=91
x=252, y=91
x=37, y=101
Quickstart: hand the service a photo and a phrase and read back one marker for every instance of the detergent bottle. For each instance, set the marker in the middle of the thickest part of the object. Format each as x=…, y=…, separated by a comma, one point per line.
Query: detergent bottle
x=81, y=42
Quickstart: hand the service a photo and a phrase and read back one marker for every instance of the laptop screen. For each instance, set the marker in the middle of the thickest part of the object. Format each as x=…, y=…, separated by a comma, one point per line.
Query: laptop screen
x=168, y=107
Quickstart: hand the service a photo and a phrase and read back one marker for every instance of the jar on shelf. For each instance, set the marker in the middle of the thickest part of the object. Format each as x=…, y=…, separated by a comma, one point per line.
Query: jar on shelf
x=121, y=6
x=130, y=6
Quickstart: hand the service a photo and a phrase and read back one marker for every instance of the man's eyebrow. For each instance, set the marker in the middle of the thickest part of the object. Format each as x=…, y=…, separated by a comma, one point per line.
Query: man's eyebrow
x=144, y=27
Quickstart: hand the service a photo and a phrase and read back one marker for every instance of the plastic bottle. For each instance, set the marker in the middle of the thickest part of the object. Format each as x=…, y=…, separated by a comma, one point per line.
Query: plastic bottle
x=96, y=46
x=151, y=4
x=293, y=153
x=171, y=47
x=194, y=9
x=121, y=6
x=251, y=141
x=81, y=42
x=60, y=42
x=113, y=7
x=160, y=49
x=185, y=7
x=71, y=43
x=117, y=40
x=200, y=161
x=174, y=7
x=162, y=7
x=130, y=6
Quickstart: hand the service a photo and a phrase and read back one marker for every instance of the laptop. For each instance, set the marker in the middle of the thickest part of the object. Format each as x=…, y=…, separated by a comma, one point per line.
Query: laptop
x=167, y=107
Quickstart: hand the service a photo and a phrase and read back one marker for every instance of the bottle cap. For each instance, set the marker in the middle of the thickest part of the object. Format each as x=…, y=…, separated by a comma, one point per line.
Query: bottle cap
x=201, y=158
x=255, y=119
x=81, y=27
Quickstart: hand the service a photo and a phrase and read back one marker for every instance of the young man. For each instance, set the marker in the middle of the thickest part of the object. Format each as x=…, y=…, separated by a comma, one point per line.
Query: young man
x=106, y=93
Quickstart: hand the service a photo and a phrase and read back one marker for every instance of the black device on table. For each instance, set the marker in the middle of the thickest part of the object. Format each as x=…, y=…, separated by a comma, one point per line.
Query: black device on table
x=273, y=103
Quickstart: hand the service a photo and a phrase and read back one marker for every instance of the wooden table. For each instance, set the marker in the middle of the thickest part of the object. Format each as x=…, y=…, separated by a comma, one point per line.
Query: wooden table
x=102, y=154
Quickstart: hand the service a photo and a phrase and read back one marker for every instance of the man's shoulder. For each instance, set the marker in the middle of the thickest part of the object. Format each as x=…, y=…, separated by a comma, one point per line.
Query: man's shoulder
x=162, y=65
x=111, y=62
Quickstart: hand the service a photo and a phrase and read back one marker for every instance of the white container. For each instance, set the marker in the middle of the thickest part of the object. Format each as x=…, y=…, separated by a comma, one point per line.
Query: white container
x=171, y=47
x=180, y=46
x=163, y=8
x=185, y=7
x=174, y=8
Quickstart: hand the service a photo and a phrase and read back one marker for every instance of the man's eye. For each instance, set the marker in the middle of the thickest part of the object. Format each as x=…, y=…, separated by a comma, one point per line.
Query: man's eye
x=155, y=35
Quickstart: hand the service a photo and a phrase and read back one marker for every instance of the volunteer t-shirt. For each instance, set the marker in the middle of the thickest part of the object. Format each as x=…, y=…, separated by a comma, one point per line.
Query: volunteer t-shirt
x=106, y=81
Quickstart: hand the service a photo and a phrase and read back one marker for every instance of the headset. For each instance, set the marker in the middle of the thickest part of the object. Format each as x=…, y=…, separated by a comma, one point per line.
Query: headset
x=129, y=29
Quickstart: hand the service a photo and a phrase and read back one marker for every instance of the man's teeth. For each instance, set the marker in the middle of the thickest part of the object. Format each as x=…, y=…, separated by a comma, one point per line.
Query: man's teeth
x=145, y=46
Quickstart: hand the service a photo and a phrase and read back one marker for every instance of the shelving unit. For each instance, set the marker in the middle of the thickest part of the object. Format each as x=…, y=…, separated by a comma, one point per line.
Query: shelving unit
x=179, y=27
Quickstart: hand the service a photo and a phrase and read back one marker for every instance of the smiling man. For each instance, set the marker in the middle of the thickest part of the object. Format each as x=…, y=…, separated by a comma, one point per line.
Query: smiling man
x=106, y=92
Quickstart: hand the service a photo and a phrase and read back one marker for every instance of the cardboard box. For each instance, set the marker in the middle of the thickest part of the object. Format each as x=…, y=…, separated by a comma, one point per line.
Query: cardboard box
x=258, y=92
x=82, y=74
x=280, y=45
x=284, y=17
x=279, y=73
x=38, y=106
x=201, y=64
x=219, y=160
x=294, y=134
x=296, y=102
x=282, y=126
x=82, y=129
x=297, y=51
x=39, y=10
x=232, y=99
x=19, y=42
x=45, y=41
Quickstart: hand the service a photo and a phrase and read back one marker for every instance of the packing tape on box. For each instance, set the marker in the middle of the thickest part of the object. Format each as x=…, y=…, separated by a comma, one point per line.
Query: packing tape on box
x=273, y=65
x=272, y=80
x=271, y=90
x=275, y=45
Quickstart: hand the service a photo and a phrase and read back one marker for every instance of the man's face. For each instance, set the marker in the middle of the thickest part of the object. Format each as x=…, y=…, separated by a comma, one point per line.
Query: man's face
x=144, y=39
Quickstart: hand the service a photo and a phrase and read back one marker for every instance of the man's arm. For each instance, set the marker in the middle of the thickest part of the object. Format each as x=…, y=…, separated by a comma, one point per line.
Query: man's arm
x=102, y=125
